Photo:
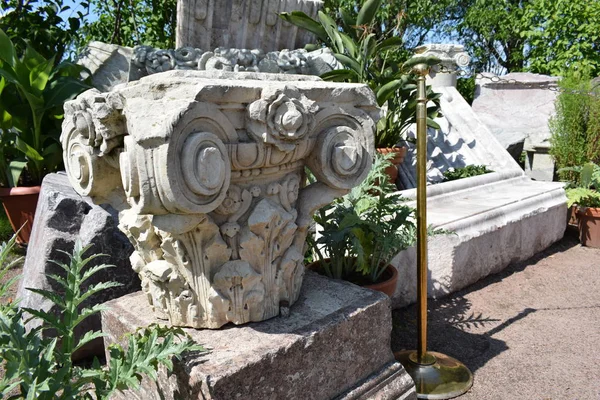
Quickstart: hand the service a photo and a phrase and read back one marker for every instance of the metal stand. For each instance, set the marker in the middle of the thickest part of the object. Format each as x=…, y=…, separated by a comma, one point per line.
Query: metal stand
x=436, y=376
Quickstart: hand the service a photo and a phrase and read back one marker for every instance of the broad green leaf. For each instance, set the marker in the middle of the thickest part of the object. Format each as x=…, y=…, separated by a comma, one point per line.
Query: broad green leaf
x=349, y=62
x=302, y=20
x=29, y=151
x=8, y=73
x=340, y=75
x=432, y=124
x=390, y=43
x=38, y=77
x=389, y=89
x=332, y=31
x=61, y=90
x=31, y=58
x=367, y=12
x=16, y=167
x=349, y=44
x=430, y=60
x=7, y=50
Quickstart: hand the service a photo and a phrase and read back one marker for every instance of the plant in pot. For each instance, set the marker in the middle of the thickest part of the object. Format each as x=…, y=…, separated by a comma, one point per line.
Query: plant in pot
x=33, y=90
x=583, y=196
x=374, y=60
x=363, y=231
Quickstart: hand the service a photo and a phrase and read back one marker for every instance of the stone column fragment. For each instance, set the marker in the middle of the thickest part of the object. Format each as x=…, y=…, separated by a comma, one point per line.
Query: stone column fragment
x=244, y=24
x=208, y=169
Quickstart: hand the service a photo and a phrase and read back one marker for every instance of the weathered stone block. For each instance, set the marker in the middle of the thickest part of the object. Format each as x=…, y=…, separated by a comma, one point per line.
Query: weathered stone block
x=249, y=24
x=61, y=218
x=336, y=342
x=517, y=108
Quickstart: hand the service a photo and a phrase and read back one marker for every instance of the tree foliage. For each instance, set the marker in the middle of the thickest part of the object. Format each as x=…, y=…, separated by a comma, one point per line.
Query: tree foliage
x=132, y=22
x=542, y=36
x=50, y=26
x=564, y=36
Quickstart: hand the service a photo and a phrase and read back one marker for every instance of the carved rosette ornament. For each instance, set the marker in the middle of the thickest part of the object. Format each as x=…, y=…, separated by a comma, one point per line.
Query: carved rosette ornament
x=209, y=175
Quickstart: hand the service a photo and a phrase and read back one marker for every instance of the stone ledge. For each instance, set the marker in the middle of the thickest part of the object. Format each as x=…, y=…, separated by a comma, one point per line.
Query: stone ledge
x=336, y=342
x=491, y=225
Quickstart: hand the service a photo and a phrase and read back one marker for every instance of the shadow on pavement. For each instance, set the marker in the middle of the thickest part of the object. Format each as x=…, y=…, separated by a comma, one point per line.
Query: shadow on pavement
x=454, y=329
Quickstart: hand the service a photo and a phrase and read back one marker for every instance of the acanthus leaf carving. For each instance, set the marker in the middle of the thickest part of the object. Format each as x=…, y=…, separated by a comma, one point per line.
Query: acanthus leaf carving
x=269, y=233
x=238, y=292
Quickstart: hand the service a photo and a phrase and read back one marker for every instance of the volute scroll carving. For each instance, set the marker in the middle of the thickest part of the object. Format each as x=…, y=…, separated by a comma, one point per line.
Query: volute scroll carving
x=210, y=177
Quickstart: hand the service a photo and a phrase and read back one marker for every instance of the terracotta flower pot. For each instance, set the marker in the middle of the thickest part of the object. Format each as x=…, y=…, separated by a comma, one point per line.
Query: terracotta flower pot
x=589, y=226
x=19, y=204
x=387, y=283
x=398, y=158
x=389, y=279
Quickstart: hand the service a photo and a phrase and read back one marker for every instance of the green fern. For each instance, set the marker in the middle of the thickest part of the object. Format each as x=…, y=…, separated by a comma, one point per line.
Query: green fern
x=364, y=230
x=39, y=368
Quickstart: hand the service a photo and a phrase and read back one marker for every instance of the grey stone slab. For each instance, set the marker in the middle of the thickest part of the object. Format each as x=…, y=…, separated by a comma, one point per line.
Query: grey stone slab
x=61, y=218
x=489, y=224
x=516, y=112
x=251, y=24
x=108, y=63
x=335, y=342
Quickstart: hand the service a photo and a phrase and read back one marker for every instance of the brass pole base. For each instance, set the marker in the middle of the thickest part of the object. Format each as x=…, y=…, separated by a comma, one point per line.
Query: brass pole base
x=437, y=376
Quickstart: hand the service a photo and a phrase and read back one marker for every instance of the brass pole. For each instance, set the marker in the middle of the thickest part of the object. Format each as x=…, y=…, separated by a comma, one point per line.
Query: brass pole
x=422, y=210
x=436, y=375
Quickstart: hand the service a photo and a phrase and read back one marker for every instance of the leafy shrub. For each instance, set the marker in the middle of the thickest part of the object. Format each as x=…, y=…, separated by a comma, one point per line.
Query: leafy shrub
x=583, y=189
x=364, y=230
x=33, y=90
x=575, y=129
x=465, y=172
x=41, y=368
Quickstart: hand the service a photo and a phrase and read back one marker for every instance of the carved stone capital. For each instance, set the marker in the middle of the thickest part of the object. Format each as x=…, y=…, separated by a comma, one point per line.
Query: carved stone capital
x=452, y=57
x=209, y=172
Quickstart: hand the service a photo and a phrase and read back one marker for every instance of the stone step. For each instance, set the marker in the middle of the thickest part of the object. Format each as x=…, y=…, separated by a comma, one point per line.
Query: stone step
x=489, y=222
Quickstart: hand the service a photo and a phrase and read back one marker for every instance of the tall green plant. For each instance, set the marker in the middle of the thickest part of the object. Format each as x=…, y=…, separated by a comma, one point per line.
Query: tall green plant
x=32, y=93
x=41, y=368
x=367, y=58
x=575, y=129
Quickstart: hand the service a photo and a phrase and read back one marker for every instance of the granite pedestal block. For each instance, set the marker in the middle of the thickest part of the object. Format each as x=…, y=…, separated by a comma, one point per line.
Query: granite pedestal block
x=335, y=343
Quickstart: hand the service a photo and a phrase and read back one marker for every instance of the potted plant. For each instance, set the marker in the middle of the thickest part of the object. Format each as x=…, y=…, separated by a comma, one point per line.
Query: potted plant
x=33, y=90
x=363, y=231
x=584, y=196
x=373, y=60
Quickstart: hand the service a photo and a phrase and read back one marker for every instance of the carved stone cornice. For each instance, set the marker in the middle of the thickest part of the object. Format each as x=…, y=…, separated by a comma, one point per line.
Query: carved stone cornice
x=452, y=57
x=147, y=60
x=209, y=172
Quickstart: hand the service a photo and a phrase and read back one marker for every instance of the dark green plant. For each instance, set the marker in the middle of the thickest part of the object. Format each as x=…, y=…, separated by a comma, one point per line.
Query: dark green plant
x=466, y=88
x=363, y=231
x=583, y=189
x=32, y=93
x=575, y=128
x=369, y=58
x=453, y=174
x=38, y=367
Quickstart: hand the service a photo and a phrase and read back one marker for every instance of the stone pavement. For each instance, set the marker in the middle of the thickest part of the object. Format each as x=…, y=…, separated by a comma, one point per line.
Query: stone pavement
x=529, y=332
